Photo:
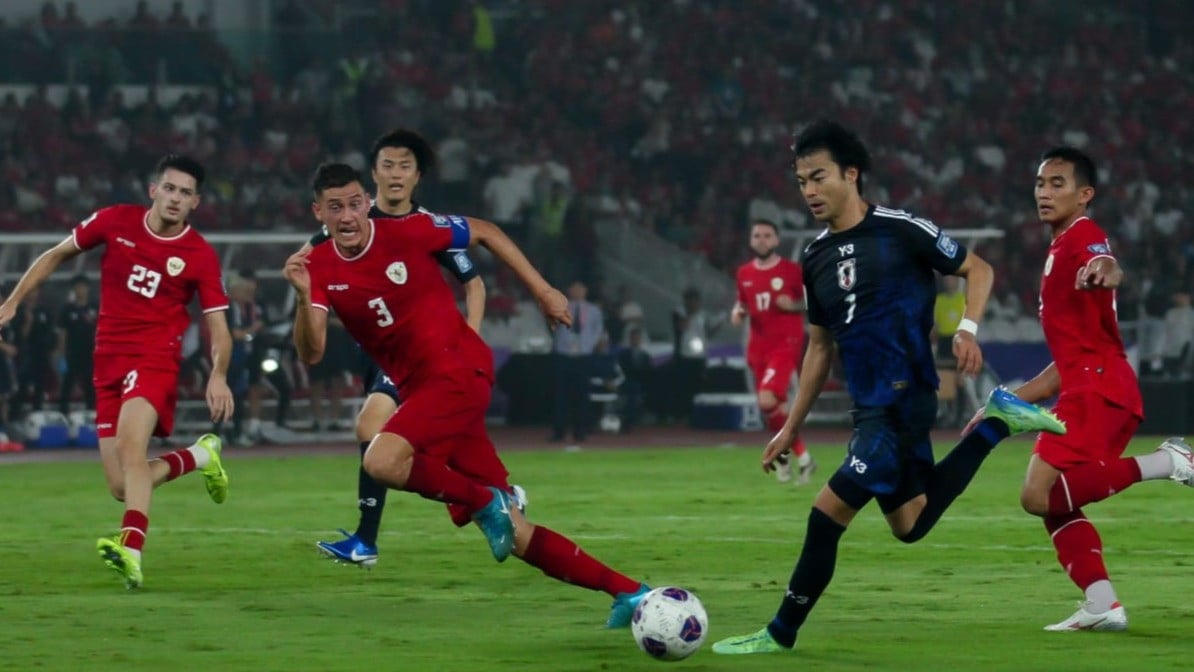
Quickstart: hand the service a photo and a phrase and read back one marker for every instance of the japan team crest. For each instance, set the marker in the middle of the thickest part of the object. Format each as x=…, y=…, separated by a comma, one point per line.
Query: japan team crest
x=396, y=272
x=174, y=266
x=777, y=284
x=846, y=275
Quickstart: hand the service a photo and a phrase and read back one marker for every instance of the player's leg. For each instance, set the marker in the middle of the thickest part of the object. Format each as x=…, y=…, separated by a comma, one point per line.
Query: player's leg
x=872, y=466
x=361, y=547
x=1004, y=415
x=772, y=380
x=1089, y=462
x=130, y=479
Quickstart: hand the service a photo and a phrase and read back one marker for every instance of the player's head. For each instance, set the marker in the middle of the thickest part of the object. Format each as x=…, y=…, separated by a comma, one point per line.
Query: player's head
x=1065, y=185
x=341, y=205
x=830, y=164
x=764, y=238
x=175, y=187
x=398, y=160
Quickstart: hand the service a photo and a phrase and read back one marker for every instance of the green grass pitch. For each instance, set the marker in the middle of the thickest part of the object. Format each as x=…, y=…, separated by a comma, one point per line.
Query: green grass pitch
x=240, y=586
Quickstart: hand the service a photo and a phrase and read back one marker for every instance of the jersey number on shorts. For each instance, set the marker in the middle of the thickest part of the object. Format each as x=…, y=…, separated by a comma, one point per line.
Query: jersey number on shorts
x=384, y=318
x=144, y=281
x=763, y=301
x=130, y=381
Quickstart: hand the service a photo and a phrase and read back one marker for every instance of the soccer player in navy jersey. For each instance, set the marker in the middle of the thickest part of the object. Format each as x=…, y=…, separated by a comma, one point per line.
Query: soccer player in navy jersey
x=383, y=281
x=869, y=286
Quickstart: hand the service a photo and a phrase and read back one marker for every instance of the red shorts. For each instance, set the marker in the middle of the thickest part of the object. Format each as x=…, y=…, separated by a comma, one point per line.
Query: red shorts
x=118, y=379
x=773, y=372
x=1096, y=429
x=444, y=418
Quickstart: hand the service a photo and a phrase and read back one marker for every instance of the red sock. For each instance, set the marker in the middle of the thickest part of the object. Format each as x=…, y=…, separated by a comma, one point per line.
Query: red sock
x=133, y=527
x=560, y=558
x=180, y=462
x=775, y=422
x=432, y=479
x=1079, y=548
x=1089, y=483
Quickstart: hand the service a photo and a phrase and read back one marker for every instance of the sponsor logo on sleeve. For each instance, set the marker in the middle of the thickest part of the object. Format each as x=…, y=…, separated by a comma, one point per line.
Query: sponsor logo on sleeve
x=1099, y=248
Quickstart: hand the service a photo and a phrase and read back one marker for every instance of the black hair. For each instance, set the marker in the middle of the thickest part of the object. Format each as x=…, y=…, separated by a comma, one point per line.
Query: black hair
x=403, y=137
x=844, y=147
x=332, y=175
x=763, y=221
x=79, y=279
x=1084, y=167
x=183, y=164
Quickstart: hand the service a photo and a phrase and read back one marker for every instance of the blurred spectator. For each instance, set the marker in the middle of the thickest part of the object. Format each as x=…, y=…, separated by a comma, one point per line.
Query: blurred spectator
x=76, y=325
x=573, y=350
x=1178, y=351
x=636, y=366
x=37, y=342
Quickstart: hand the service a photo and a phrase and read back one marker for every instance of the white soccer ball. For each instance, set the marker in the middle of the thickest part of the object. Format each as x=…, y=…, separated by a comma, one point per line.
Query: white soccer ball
x=669, y=623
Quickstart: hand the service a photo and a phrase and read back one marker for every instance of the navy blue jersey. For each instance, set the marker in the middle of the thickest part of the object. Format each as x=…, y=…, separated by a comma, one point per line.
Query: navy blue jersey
x=873, y=288
x=457, y=262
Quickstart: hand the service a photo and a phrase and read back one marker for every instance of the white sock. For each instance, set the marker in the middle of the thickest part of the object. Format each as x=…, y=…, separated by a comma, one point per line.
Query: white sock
x=804, y=459
x=1155, y=465
x=134, y=552
x=1100, y=596
x=202, y=457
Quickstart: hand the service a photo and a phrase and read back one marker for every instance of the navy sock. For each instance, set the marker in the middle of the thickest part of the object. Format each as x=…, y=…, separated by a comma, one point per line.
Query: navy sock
x=813, y=572
x=954, y=472
x=371, y=500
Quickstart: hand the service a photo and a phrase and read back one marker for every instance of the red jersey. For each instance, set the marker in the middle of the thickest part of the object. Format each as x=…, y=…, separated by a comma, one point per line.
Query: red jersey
x=147, y=281
x=1081, y=326
x=771, y=329
x=394, y=301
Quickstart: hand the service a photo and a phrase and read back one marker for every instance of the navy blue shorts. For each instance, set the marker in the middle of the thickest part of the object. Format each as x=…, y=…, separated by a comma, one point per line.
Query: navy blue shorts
x=377, y=381
x=891, y=451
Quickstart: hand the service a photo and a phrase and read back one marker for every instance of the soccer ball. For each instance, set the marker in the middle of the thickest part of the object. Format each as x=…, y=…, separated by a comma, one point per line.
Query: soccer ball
x=669, y=623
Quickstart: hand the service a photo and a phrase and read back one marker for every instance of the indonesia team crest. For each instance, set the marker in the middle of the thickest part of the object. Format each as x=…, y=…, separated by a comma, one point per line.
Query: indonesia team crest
x=396, y=272
x=846, y=274
x=1048, y=264
x=174, y=266
x=777, y=284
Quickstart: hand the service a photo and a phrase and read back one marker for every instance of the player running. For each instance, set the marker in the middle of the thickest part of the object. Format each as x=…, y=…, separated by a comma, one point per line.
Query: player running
x=771, y=295
x=154, y=262
x=1098, y=396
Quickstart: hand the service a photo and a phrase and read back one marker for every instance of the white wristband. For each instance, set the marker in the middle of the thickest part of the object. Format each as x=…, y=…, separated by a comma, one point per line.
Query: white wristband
x=969, y=326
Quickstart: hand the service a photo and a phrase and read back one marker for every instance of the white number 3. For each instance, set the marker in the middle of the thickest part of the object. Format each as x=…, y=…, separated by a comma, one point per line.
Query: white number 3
x=130, y=381
x=384, y=318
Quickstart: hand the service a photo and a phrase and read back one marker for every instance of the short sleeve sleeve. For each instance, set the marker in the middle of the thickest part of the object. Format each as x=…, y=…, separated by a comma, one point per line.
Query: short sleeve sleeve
x=93, y=231
x=437, y=233
x=930, y=243
x=458, y=263
x=816, y=312
x=796, y=281
x=741, y=288
x=319, y=291
x=1089, y=243
x=212, y=296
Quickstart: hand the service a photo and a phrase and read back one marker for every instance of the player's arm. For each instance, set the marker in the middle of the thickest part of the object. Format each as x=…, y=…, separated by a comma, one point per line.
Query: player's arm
x=219, y=396
x=818, y=359
x=487, y=234
x=474, y=302
x=789, y=304
x=1044, y=385
x=980, y=277
x=310, y=315
x=1101, y=272
x=38, y=271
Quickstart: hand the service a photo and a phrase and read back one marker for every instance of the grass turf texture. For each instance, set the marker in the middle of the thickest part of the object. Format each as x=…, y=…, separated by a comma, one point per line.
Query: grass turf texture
x=240, y=586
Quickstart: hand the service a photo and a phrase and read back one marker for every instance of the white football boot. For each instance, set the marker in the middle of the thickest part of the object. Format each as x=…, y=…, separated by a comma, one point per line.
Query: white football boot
x=1112, y=620
x=1183, y=460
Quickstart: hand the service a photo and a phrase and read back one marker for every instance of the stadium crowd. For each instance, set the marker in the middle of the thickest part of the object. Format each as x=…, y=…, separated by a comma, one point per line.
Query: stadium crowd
x=674, y=115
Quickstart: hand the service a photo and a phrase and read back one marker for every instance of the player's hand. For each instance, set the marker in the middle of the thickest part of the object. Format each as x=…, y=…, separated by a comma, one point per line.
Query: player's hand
x=785, y=303
x=978, y=417
x=295, y=271
x=968, y=354
x=737, y=315
x=554, y=306
x=8, y=310
x=1101, y=273
x=219, y=399
x=779, y=444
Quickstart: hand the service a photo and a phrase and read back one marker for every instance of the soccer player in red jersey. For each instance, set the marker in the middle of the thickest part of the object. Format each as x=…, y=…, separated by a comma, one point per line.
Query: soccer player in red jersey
x=384, y=283
x=153, y=263
x=1097, y=394
x=771, y=295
